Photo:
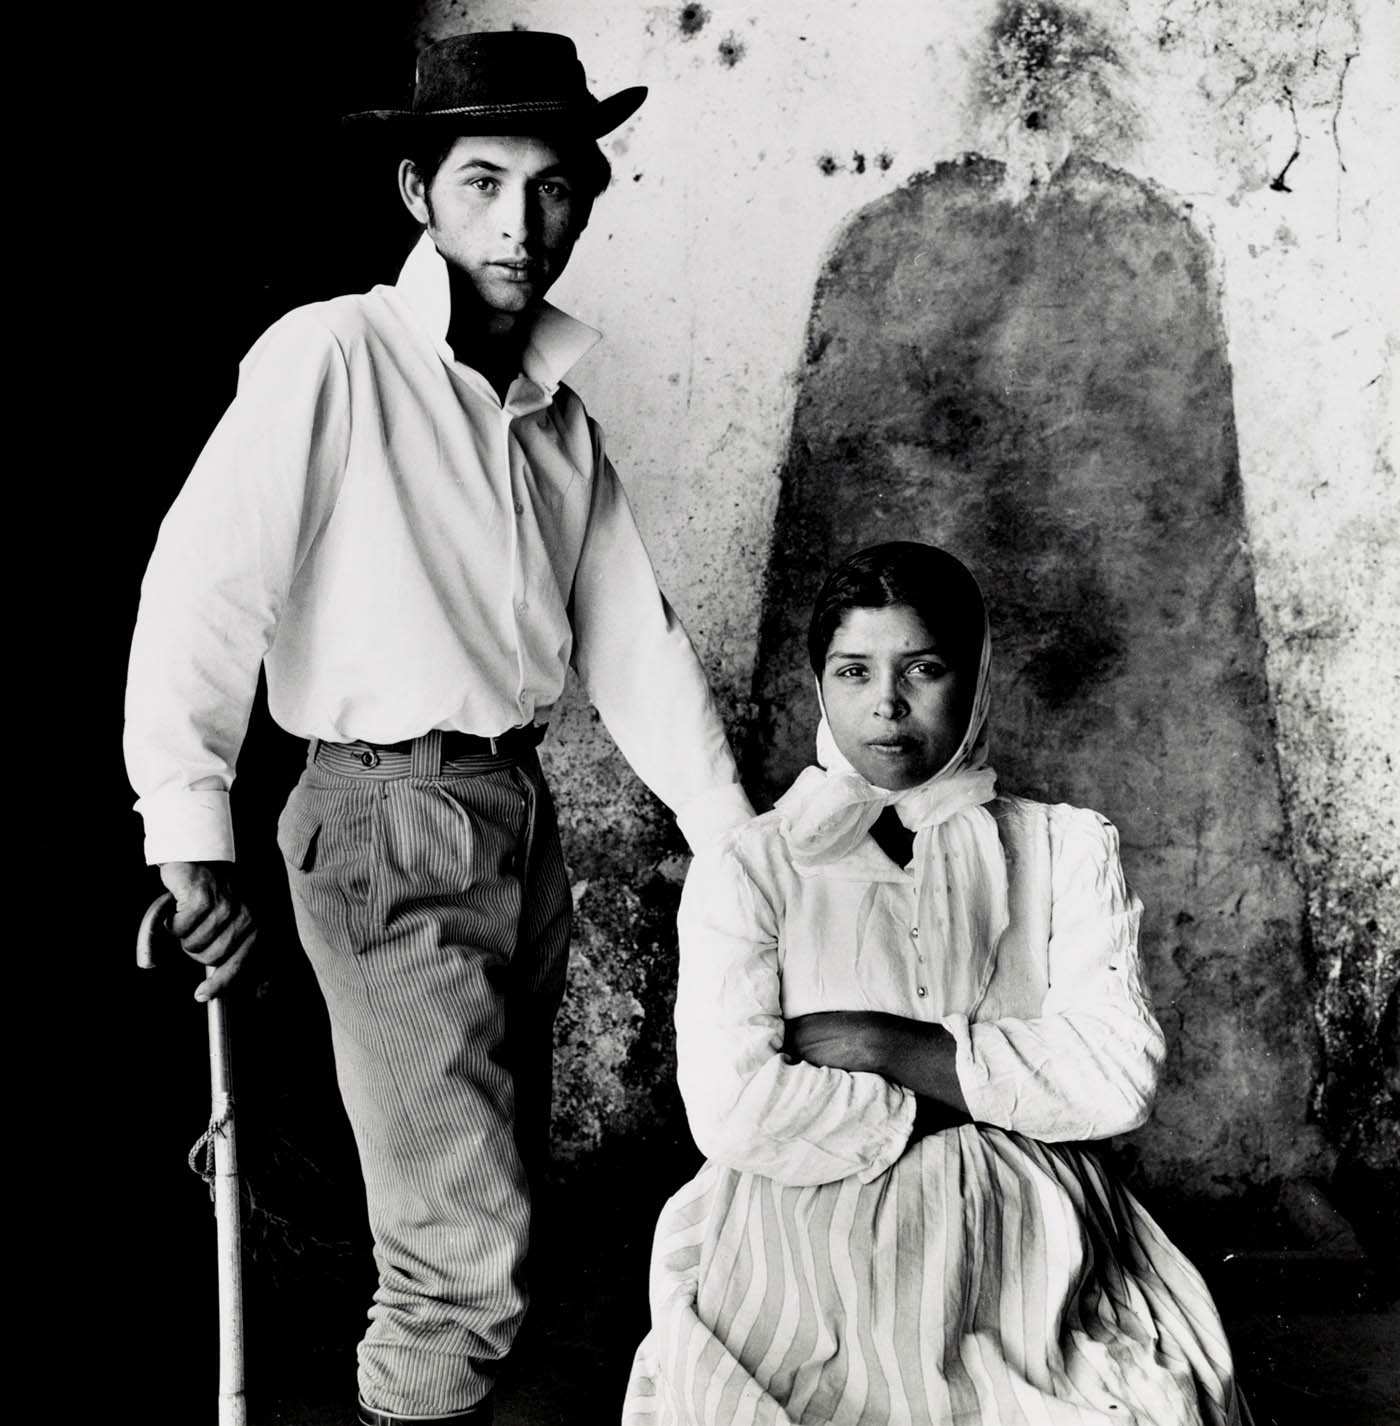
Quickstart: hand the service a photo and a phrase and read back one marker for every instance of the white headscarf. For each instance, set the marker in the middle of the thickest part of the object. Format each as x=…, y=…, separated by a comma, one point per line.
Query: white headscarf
x=959, y=866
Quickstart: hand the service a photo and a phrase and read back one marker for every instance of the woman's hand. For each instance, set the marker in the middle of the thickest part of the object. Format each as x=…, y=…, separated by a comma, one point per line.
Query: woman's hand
x=913, y=1053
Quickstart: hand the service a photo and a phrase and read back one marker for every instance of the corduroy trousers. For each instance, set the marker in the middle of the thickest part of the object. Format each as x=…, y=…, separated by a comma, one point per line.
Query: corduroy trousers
x=433, y=902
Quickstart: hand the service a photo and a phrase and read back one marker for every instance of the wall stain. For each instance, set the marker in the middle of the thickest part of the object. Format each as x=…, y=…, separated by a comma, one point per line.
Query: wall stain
x=615, y=1058
x=731, y=50
x=1052, y=82
x=691, y=20
x=1036, y=389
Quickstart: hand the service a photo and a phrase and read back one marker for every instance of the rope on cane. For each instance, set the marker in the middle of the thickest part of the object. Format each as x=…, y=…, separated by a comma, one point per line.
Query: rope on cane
x=205, y=1145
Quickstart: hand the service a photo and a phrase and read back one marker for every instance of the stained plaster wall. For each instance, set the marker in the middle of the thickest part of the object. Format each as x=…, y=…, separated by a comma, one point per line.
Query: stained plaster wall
x=1269, y=128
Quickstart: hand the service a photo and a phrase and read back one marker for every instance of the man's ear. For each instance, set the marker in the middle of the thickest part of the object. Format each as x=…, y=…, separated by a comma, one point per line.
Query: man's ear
x=414, y=191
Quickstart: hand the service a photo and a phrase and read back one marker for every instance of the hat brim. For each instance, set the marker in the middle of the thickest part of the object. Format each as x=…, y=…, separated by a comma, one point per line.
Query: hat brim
x=595, y=120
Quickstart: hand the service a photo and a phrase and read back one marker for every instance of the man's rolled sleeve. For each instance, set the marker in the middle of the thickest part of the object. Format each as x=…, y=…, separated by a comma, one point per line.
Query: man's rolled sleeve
x=187, y=825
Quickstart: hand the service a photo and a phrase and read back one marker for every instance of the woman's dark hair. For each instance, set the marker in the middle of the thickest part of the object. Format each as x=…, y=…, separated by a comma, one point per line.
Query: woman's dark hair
x=937, y=586
x=587, y=163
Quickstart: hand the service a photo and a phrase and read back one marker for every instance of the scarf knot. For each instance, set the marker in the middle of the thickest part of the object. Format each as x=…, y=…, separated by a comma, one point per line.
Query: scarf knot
x=959, y=865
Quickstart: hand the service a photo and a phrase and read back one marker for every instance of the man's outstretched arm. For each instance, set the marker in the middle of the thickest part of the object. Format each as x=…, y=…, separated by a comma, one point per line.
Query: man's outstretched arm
x=643, y=675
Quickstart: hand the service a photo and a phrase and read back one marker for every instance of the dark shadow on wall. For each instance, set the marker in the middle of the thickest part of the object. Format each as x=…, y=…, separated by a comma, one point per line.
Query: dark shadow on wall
x=1044, y=389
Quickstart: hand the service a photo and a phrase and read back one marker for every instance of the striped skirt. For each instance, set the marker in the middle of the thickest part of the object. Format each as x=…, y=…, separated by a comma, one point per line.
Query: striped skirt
x=984, y=1278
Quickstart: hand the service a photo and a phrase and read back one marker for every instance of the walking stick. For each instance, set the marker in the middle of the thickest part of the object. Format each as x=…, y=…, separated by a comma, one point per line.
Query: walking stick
x=155, y=924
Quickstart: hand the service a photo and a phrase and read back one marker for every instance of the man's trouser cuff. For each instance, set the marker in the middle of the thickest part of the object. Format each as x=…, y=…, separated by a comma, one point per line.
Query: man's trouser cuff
x=477, y=1416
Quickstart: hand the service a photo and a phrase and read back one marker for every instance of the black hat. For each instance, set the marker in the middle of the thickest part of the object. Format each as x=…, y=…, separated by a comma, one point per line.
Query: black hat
x=507, y=81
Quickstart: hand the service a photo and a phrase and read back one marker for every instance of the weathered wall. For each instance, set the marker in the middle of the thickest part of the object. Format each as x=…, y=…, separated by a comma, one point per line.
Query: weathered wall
x=1043, y=388
x=1258, y=137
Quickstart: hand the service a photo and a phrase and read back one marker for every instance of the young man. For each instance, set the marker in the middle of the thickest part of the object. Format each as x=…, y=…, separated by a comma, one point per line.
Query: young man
x=409, y=520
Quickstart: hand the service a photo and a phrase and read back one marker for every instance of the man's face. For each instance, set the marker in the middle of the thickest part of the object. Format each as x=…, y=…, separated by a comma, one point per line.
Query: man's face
x=505, y=213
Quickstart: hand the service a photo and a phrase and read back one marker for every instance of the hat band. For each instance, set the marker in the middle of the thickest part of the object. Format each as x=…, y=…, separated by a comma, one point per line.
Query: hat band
x=519, y=106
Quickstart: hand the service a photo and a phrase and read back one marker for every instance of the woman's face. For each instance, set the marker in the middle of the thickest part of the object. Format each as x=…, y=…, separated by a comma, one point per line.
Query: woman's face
x=895, y=706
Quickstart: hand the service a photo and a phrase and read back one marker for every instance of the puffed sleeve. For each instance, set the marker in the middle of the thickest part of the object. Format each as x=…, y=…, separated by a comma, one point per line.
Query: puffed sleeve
x=749, y=1106
x=1086, y=1067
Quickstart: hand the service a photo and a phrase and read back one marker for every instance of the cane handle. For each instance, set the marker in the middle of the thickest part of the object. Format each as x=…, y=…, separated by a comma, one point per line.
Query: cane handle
x=155, y=923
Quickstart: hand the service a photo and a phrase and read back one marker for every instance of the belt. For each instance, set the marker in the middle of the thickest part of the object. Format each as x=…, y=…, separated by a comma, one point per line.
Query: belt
x=469, y=745
x=425, y=756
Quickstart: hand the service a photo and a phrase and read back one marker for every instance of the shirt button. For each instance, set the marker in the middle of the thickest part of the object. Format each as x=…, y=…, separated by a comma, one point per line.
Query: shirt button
x=922, y=992
x=915, y=933
x=521, y=606
x=519, y=507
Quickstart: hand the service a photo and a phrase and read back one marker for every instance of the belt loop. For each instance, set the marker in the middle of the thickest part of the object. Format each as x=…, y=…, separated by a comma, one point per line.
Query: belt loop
x=427, y=755
x=493, y=742
x=313, y=747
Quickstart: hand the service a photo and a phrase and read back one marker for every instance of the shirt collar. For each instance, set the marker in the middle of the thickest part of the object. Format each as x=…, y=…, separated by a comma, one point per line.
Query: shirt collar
x=556, y=343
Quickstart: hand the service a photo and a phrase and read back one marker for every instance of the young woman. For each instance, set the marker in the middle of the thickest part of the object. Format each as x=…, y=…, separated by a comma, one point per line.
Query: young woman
x=905, y=1003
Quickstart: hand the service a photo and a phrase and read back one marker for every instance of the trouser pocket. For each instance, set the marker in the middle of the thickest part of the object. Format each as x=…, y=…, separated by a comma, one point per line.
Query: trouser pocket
x=329, y=839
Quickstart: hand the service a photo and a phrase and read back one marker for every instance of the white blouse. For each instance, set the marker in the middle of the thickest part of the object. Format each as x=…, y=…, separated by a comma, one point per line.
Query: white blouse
x=1064, y=1046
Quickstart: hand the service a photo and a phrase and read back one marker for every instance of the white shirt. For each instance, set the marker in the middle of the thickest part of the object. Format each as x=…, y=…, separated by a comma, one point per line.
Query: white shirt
x=406, y=553
x=1064, y=1045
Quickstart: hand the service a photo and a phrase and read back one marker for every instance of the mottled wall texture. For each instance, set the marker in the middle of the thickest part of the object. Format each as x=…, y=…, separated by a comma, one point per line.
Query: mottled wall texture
x=1102, y=296
x=1044, y=390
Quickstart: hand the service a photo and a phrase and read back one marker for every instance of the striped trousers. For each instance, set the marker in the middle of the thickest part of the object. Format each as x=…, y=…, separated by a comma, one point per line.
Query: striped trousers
x=433, y=903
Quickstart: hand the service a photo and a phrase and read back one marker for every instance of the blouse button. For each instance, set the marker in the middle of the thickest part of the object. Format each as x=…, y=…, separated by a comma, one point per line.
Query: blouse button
x=915, y=933
x=922, y=992
x=519, y=507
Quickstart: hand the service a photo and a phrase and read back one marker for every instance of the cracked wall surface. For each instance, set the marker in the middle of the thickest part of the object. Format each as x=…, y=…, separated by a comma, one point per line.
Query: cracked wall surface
x=1269, y=130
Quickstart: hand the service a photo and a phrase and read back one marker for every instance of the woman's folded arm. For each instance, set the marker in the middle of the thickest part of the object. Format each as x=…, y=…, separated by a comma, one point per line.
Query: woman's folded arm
x=1086, y=1067
x=751, y=1106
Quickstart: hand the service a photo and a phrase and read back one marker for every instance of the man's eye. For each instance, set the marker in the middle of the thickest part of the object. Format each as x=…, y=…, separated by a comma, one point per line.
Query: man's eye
x=552, y=188
x=484, y=185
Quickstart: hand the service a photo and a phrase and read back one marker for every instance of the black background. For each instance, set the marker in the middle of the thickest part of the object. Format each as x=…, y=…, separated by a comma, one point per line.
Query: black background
x=190, y=181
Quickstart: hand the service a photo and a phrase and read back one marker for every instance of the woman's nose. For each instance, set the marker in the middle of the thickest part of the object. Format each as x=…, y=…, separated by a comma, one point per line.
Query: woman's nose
x=891, y=704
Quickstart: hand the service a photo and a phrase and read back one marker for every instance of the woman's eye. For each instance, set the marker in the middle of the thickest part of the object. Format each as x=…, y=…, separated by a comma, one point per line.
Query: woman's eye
x=928, y=670
x=854, y=670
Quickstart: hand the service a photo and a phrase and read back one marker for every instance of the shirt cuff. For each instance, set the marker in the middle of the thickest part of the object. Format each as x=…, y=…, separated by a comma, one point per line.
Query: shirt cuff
x=706, y=818
x=184, y=825
x=896, y=1137
x=974, y=1081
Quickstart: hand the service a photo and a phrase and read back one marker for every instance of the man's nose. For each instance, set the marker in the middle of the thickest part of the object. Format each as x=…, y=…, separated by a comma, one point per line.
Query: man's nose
x=514, y=212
